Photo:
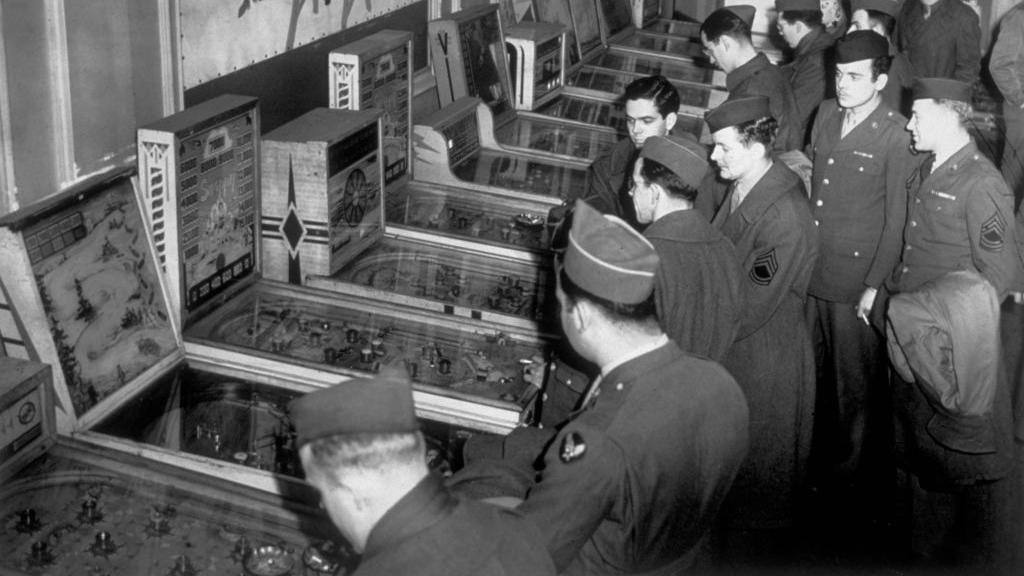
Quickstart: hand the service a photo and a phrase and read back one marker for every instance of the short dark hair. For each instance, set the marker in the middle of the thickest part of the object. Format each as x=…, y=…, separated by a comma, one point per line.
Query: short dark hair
x=724, y=22
x=886, y=21
x=656, y=88
x=880, y=65
x=761, y=130
x=617, y=312
x=811, y=18
x=655, y=172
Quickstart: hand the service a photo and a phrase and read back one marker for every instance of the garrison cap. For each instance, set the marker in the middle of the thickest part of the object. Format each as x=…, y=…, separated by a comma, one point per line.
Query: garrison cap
x=744, y=11
x=608, y=258
x=684, y=157
x=861, y=45
x=381, y=404
x=890, y=7
x=795, y=5
x=942, y=89
x=737, y=111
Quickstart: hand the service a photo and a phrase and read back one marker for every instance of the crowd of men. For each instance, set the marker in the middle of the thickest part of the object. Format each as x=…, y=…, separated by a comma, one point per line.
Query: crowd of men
x=763, y=355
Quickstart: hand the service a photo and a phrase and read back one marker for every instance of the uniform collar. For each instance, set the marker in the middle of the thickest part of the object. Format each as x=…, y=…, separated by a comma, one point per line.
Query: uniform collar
x=748, y=69
x=969, y=151
x=679, y=225
x=422, y=507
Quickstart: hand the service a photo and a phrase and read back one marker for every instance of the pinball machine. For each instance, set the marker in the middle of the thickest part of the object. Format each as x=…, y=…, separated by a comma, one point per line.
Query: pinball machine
x=468, y=51
x=586, y=100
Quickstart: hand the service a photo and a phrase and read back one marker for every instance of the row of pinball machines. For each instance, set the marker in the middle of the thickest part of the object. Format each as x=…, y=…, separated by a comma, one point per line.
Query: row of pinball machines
x=162, y=319
x=183, y=306
x=558, y=90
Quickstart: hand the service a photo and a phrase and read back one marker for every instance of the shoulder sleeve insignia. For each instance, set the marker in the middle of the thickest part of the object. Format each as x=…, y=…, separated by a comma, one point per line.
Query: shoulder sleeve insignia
x=764, y=268
x=572, y=448
x=992, y=233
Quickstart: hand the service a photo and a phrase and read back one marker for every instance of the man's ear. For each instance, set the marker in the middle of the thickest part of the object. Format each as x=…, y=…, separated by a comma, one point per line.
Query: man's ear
x=881, y=81
x=670, y=121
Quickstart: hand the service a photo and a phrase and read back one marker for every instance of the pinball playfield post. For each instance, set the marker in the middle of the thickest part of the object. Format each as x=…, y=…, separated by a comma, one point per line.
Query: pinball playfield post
x=199, y=179
x=27, y=427
x=322, y=201
x=376, y=72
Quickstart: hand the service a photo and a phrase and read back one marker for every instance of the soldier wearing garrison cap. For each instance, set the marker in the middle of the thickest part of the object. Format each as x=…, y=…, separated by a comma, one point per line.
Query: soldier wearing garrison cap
x=697, y=290
x=361, y=448
x=799, y=23
x=725, y=34
x=767, y=217
x=862, y=159
x=960, y=217
x=879, y=16
x=633, y=482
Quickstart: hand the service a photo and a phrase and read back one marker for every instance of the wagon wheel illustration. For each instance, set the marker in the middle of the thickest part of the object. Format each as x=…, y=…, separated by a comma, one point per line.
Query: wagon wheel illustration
x=354, y=199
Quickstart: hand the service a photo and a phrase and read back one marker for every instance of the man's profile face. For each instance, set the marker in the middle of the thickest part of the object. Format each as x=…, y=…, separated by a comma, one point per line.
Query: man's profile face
x=926, y=124
x=643, y=120
x=734, y=158
x=717, y=52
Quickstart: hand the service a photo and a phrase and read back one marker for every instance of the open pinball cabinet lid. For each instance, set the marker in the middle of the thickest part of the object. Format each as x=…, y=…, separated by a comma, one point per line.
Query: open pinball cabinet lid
x=81, y=272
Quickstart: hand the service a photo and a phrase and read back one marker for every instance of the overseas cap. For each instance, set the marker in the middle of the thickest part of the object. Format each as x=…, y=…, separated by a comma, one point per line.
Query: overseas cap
x=738, y=111
x=744, y=11
x=890, y=7
x=608, y=258
x=685, y=158
x=860, y=45
x=382, y=404
x=794, y=5
x=941, y=89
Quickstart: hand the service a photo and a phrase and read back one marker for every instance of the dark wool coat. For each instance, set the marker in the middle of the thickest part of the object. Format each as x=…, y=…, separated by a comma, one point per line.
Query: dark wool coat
x=697, y=286
x=430, y=532
x=633, y=483
x=771, y=358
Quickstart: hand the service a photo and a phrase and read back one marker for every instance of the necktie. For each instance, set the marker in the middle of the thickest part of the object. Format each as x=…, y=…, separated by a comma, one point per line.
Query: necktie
x=734, y=199
x=848, y=124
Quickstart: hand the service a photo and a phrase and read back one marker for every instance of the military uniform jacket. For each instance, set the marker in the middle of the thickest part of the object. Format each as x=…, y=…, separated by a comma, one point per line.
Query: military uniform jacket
x=697, y=286
x=759, y=77
x=947, y=44
x=960, y=217
x=771, y=358
x=807, y=75
x=859, y=200
x=632, y=483
x=429, y=532
x=611, y=175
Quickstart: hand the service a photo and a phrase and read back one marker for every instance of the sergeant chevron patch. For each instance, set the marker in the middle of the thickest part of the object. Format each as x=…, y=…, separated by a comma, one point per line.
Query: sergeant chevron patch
x=764, y=268
x=992, y=233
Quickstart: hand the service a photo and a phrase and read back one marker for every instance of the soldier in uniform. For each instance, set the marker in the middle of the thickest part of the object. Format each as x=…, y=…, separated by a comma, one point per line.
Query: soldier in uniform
x=725, y=34
x=361, y=447
x=651, y=107
x=960, y=218
x=799, y=24
x=879, y=16
x=697, y=287
x=767, y=217
x=862, y=159
x=942, y=39
x=632, y=483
